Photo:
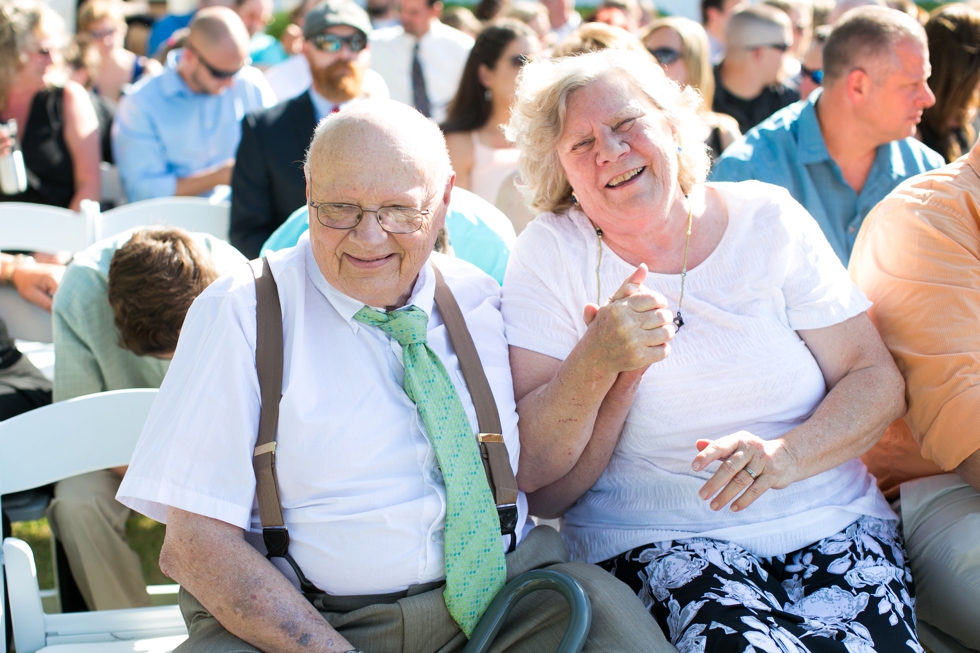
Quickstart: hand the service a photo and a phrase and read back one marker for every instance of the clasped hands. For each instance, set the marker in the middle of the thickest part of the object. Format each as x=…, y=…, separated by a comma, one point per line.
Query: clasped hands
x=632, y=330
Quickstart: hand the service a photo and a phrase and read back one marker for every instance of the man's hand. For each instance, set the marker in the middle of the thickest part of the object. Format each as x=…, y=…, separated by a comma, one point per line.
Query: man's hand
x=38, y=282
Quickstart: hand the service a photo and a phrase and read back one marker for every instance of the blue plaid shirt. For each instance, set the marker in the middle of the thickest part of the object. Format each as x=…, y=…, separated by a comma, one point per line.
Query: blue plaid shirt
x=788, y=150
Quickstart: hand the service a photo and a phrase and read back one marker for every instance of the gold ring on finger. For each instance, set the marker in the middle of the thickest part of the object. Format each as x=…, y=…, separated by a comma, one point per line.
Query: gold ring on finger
x=748, y=470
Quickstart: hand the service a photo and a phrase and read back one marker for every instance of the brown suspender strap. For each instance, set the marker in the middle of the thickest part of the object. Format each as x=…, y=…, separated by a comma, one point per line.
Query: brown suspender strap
x=500, y=475
x=268, y=364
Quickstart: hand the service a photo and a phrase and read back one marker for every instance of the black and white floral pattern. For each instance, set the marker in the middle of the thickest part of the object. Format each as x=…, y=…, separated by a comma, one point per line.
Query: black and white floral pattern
x=851, y=592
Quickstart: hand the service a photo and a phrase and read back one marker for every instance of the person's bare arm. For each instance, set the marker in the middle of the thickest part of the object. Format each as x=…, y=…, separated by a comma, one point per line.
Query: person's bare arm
x=460, y=146
x=241, y=589
x=205, y=180
x=82, y=140
x=866, y=394
x=969, y=470
x=559, y=402
x=36, y=282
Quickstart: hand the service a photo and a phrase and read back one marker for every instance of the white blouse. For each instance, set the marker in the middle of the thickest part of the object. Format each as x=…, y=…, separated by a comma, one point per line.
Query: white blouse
x=738, y=364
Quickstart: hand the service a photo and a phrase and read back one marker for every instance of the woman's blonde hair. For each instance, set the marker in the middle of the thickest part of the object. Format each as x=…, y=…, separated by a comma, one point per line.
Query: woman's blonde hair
x=20, y=23
x=538, y=119
x=593, y=37
x=92, y=11
x=695, y=52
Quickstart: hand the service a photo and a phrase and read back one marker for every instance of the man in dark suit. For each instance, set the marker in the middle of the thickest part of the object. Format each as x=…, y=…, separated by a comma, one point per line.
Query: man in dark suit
x=267, y=182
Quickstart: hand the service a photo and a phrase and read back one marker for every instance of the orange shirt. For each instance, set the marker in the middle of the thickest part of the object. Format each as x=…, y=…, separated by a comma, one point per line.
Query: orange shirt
x=917, y=258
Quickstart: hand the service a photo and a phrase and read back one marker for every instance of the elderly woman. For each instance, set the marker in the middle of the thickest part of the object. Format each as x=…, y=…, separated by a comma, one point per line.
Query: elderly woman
x=58, y=130
x=696, y=375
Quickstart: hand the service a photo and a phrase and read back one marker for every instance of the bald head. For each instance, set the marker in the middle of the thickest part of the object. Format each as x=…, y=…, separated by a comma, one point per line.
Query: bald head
x=387, y=135
x=755, y=26
x=218, y=28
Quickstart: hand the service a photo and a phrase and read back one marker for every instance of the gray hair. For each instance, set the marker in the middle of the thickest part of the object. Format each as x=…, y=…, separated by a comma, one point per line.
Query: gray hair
x=866, y=33
x=20, y=23
x=538, y=119
x=755, y=25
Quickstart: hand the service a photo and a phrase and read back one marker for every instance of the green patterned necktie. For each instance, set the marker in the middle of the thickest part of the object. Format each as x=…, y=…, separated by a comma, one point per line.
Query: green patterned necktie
x=475, y=566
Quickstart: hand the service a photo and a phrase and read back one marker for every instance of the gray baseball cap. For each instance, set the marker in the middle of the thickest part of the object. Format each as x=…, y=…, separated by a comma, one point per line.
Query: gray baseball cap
x=335, y=12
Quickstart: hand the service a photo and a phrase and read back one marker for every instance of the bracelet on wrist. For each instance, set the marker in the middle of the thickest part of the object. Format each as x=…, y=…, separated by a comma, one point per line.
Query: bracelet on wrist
x=11, y=266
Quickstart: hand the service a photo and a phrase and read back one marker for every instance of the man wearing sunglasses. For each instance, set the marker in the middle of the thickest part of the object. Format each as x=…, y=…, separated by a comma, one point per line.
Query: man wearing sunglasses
x=747, y=85
x=267, y=182
x=177, y=134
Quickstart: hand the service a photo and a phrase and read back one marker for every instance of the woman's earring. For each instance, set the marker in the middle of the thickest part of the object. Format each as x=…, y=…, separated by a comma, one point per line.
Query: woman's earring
x=574, y=199
x=679, y=150
x=487, y=95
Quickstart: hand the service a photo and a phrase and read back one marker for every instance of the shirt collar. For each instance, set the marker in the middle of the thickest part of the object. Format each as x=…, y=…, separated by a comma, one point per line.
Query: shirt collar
x=423, y=294
x=811, y=147
x=171, y=83
x=321, y=105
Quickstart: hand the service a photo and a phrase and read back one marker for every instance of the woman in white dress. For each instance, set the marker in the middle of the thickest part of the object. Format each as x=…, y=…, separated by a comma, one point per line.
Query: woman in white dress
x=713, y=467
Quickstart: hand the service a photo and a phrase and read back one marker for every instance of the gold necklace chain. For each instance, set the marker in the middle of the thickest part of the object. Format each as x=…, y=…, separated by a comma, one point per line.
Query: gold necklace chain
x=678, y=320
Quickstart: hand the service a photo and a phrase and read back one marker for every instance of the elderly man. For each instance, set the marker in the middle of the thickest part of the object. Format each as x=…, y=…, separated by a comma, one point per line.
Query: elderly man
x=422, y=60
x=267, y=183
x=845, y=148
x=378, y=468
x=176, y=134
x=117, y=316
x=747, y=85
x=918, y=259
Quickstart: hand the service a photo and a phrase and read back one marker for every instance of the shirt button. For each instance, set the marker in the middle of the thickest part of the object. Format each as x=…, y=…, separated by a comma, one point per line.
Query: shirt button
x=436, y=536
x=436, y=476
x=851, y=229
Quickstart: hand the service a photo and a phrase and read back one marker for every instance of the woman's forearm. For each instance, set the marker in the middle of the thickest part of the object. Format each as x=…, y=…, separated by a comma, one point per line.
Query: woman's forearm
x=552, y=500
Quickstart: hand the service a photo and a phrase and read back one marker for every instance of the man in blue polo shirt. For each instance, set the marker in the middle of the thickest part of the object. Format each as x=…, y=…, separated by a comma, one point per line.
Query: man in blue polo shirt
x=846, y=147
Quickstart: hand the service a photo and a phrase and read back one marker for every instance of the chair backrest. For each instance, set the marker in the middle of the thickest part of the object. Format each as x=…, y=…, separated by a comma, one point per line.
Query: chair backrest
x=40, y=228
x=71, y=437
x=111, y=191
x=48, y=444
x=24, y=320
x=190, y=213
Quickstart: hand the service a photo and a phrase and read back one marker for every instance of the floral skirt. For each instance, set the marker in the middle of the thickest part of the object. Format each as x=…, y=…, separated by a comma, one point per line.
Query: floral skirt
x=851, y=592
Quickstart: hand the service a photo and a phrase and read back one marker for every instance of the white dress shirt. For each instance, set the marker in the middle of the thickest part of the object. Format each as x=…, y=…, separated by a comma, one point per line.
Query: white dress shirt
x=361, y=488
x=442, y=53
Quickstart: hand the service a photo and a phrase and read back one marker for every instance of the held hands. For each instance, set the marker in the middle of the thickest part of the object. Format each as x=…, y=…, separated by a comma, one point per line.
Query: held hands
x=632, y=329
x=750, y=466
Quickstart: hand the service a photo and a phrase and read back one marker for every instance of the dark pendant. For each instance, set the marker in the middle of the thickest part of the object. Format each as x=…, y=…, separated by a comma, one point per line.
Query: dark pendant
x=678, y=322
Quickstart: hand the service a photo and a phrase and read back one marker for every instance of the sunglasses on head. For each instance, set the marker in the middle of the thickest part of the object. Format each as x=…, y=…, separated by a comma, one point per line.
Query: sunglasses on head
x=664, y=56
x=520, y=60
x=816, y=76
x=215, y=72
x=333, y=42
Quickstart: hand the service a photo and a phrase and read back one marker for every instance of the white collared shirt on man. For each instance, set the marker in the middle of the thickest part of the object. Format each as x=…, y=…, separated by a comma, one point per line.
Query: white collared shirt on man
x=361, y=489
x=442, y=55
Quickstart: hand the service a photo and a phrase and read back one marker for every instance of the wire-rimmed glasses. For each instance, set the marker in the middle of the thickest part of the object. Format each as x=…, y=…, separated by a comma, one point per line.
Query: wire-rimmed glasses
x=393, y=219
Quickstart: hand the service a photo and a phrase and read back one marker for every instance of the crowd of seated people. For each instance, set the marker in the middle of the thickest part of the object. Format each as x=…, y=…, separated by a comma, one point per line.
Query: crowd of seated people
x=722, y=274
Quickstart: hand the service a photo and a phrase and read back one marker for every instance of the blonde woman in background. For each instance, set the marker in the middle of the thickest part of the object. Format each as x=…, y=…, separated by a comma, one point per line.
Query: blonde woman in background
x=681, y=46
x=101, y=22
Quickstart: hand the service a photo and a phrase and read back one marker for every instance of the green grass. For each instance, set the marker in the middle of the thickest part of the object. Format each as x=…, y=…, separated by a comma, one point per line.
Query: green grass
x=144, y=535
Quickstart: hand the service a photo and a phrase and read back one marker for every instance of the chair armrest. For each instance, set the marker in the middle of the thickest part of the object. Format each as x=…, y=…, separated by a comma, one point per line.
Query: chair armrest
x=26, y=613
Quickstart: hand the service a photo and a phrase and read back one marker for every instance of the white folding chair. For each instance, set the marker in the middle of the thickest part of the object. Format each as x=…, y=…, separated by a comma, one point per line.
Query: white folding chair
x=111, y=190
x=40, y=228
x=46, y=445
x=190, y=213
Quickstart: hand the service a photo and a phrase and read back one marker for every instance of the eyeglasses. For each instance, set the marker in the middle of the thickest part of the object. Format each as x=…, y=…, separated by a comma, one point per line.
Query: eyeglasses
x=816, y=76
x=520, y=60
x=214, y=72
x=333, y=42
x=782, y=47
x=101, y=34
x=393, y=219
x=664, y=56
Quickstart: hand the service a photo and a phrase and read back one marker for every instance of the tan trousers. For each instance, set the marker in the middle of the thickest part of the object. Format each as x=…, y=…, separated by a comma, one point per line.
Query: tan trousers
x=941, y=524
x=421, y=623
x=91, y=526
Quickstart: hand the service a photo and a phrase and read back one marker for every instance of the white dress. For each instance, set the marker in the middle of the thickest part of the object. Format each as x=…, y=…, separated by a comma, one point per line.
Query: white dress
x=738, y=364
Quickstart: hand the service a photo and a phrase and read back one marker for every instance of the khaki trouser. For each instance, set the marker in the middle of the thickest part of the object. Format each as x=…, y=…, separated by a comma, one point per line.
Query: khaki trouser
x=941, y=524
x=420, y=623
x=91, y=526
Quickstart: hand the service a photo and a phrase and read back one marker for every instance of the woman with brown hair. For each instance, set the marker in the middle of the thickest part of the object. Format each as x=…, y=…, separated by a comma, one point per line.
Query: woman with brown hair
x=480, y=153
x=954, y=50
x=681, y=46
